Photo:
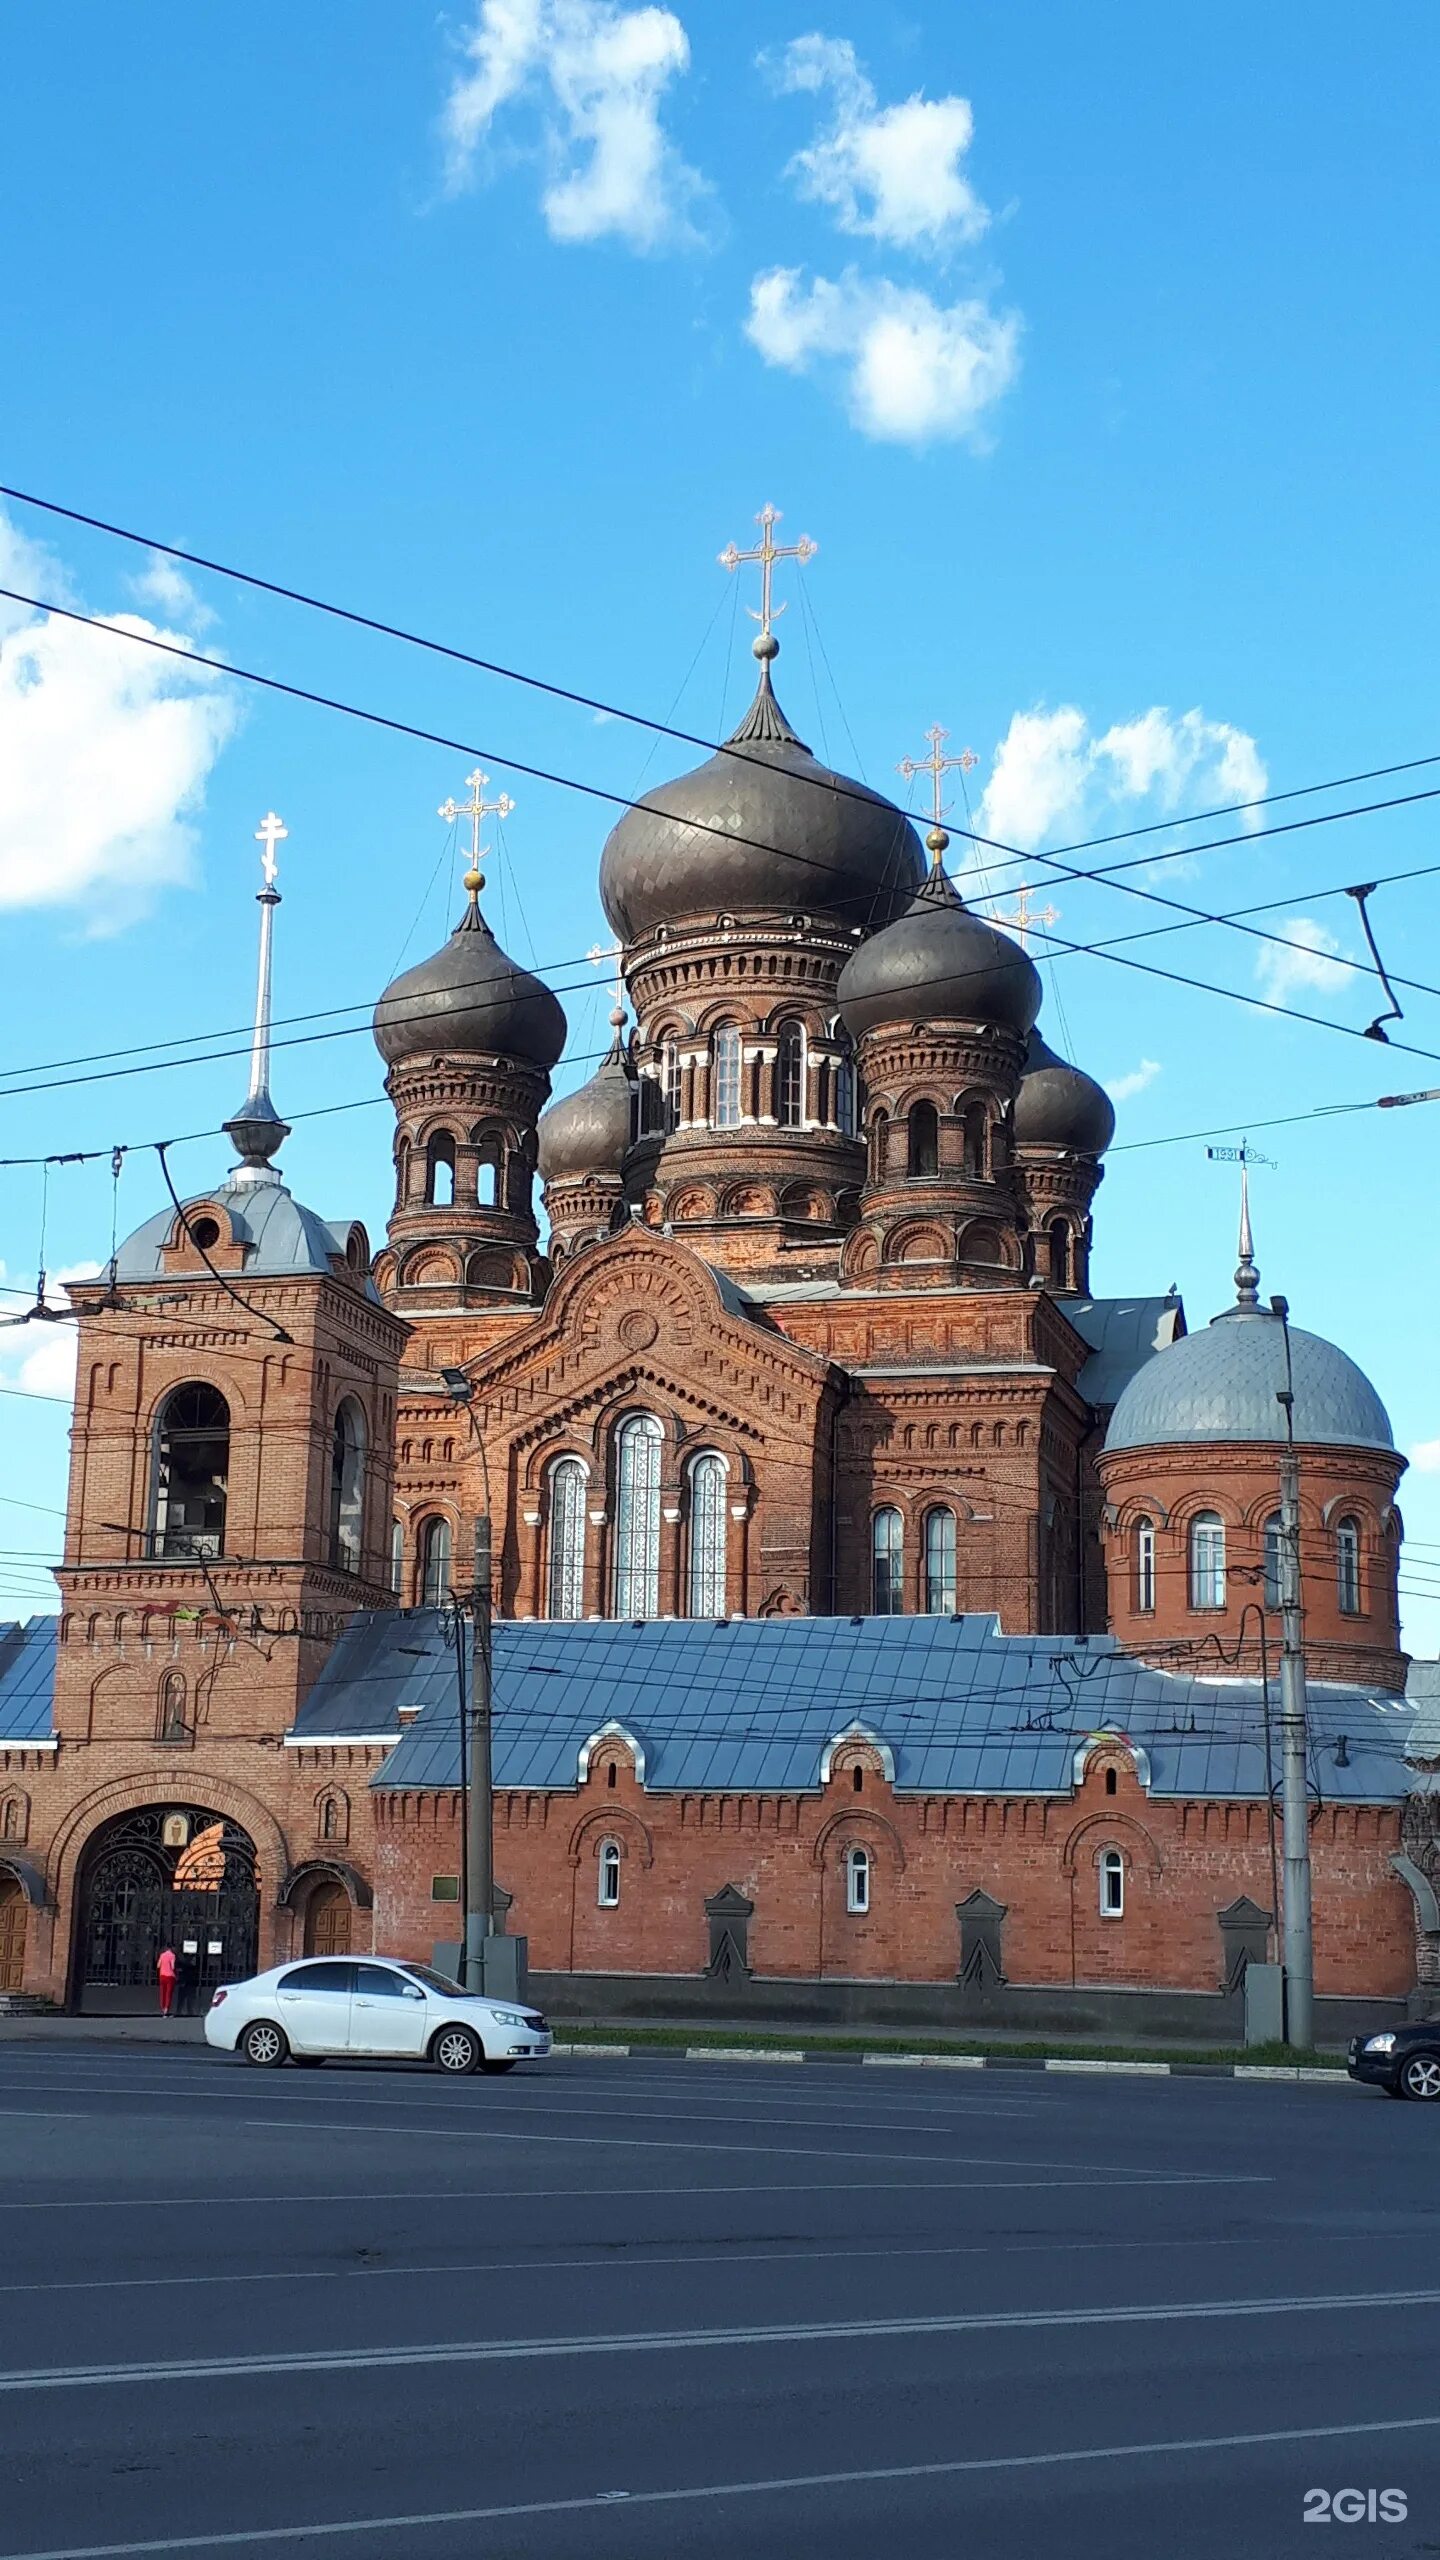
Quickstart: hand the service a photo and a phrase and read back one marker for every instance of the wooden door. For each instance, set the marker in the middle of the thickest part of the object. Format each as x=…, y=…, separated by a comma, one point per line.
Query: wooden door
x=327, y=1922
x=12, y=1936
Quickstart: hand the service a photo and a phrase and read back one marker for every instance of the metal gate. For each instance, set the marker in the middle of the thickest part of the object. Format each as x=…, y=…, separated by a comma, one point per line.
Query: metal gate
x=167, y=1875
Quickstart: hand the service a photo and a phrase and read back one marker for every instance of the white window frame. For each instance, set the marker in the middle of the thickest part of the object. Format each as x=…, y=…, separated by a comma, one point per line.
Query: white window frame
x=1347, y=1567
x=430, y=1540
x=1145, y=1568
x=727, y=1076
x=888, y=1512
x=944, y=1579
x=607, y=1876
x=569, y=1504
x=635, y=1564
x=792, y=1057
x=1206, y=1548
x=857, y=1882
x=707, y=1564
x=1112, y=1885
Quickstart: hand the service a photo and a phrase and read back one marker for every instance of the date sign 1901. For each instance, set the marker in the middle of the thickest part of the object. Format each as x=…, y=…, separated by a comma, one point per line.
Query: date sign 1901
x=1355, y=2506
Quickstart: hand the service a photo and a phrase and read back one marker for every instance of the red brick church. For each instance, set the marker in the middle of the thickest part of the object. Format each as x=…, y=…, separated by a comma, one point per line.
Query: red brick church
x=883, y=1622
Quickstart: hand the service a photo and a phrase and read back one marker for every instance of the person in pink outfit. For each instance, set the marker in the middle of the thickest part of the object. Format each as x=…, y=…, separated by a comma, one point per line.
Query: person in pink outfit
x=165, y=1968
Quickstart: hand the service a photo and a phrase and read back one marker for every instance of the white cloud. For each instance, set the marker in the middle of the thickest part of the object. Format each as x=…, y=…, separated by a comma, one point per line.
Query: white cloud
x=1425, y=1457
x=165, y=584
x=1307, y=965
x=598, y=73
x=105, y=751
x=39, y=1359
x=916, y=371
x=1052, y=775
x=888, y=173
x=1125, y=1088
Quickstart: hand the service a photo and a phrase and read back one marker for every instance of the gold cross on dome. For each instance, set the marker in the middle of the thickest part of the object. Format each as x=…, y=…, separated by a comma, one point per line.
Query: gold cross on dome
x=476, y=808
x=270, y=832
x=1023, y=918
x=936, y=764
x=767, y=551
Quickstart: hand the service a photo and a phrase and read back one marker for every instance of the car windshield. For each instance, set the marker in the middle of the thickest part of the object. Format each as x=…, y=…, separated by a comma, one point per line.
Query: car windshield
x=432, y=1980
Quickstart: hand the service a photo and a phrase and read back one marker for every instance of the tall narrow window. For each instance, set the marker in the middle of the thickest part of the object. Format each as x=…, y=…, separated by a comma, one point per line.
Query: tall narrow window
x=440, y=1171
x=607, y=1892
x=568, y=1486
x=347, y=1487
x=975, y=1132
x=857, y=1880
x=790, y=1076
x=172, y=1726
x=397, y=1555
x=879, y=1127
x=725, y=1077
x=487, y=1178
x=1058, y=1240
x=1347, y=1566
x=1144, y=1565
x=940, y=1562
x=708, y=1487
x=1207, y=1561
x=635, y=1591
x=924, y=1157
x=887, y=1563
x=671, y=1083
x=845, y=1095
x=1112, y=1885
x=434, y=1564
x=1274, y=1563
x=192, y=1467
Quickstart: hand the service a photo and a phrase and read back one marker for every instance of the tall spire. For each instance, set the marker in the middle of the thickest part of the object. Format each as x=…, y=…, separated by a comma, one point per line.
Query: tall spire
x=1247, y=1275
x=257, y=1128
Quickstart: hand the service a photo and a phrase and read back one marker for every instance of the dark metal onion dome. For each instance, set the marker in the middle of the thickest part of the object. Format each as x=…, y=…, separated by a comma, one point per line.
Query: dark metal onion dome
x=768, y=830
x=1060, y=1106
x=588, y=1131
x=469, y=997
x=940, y=963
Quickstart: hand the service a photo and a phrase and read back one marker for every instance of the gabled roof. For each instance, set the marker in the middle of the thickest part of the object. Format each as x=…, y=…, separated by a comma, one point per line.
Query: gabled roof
x=27, y=1681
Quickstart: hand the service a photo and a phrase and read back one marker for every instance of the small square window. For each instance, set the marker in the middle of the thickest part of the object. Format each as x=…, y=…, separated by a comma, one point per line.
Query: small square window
x=444, y=1888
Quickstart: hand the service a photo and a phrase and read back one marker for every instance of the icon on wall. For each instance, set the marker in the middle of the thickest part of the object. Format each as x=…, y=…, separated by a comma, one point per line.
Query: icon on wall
x=175, y=1830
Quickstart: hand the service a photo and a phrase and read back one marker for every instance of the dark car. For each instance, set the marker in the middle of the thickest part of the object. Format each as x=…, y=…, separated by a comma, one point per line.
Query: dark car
x=1405, y=2061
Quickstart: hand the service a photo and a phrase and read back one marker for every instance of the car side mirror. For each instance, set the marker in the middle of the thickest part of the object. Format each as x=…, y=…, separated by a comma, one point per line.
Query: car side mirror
x=413, y=1991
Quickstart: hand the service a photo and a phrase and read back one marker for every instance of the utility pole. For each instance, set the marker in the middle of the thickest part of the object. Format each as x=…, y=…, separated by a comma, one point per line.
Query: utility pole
x=479, y=1800
x=1295, y=1797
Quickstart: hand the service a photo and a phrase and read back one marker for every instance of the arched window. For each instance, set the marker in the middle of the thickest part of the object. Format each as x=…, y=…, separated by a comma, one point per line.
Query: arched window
x=1274, y=1563
x=857, y=1880
x=1057, y=1236
x=487, y=1176
x=172, y=1726
x=1144, y=1565
x=607, y=1890
x=635, y=1591
x=924, y=1126
x=887, y=1563
x=329, y=1818
x=1112, y=1885
x=347, y=1487
x=1207, y=1561
x=878, y=1127
x=845, y=1094
x=725, y=1064
x=192, y=1467
x=790, y=1076
x=709, y=1483
x=440, y=1171
x=940, y=1561
x=10, y=1817
x=975, y=1131
x=671, y=1083
x=397, y=1555
x=435, y=1551
x=1347, y=1566
x=566, y=1580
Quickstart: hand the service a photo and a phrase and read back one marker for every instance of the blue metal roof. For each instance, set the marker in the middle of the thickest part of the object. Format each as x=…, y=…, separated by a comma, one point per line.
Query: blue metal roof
x=752, y=1704
x=1123, y=1333
x=27, y=1680
x=1223, y=1384
x=386, y=1660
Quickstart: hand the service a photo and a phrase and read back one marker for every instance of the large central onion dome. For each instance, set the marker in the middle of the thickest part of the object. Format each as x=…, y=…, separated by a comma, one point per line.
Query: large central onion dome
x=762, y=830
x=468, y=999
x=1060, y=1106
x=939, y=963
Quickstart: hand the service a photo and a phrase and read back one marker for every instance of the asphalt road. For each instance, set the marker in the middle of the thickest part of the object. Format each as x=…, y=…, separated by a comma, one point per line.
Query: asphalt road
x=637, y=2310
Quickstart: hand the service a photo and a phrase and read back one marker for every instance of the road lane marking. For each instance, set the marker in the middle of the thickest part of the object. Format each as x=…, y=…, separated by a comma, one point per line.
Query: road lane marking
x=602, y=2194
x=947, y=2324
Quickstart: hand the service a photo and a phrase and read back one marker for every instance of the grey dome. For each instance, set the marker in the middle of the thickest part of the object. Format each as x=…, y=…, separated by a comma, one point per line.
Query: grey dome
x=1221, y=1384
x=588, y=1131
x=770, y=830
x=280, y=1233
x=939, y=963
x=1060, y=1106
x=469, y=997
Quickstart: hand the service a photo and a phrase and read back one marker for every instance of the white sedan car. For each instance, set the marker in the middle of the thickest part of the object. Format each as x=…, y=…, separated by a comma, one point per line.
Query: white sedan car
x=376, y=2006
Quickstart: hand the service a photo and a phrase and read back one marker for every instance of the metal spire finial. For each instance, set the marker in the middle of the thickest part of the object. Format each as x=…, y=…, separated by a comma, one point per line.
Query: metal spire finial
x=477, y=808
x=937, y=764
x=1247, y=1273
x=767, y=551
x=257, y=1128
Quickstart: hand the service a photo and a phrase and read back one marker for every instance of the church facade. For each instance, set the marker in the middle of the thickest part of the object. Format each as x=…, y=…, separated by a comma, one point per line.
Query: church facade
x=809, y=1346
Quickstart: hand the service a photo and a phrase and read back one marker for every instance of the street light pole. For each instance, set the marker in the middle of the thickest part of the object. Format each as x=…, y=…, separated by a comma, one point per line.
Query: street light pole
x=480, y=1796
x=1295, y=1796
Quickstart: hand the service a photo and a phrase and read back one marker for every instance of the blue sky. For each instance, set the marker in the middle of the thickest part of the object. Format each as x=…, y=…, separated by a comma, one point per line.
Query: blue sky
x=1089, y=346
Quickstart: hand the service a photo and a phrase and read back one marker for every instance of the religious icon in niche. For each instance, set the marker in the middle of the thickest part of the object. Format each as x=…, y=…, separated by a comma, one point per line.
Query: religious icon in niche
x=175, y=1830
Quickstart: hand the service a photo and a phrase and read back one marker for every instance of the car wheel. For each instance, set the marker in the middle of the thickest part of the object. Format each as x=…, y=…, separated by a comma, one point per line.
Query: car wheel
x=456, y=2051
x=493, y=2067
x=1420, y=2075
x=264, y=2044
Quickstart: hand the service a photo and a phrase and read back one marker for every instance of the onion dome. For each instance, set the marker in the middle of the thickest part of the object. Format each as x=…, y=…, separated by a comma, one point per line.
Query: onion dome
x=1060, y=1106
x=939, y=963
x=588, y=1131
x=471, y=998
x=760, y=828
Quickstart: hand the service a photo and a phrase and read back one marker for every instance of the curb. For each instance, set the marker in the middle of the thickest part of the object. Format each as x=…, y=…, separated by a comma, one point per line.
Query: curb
x=1289, y=2073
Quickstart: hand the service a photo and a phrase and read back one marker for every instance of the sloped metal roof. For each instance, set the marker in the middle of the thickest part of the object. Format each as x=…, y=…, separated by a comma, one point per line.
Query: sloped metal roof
x=1123, y=1333
x=27, y=1680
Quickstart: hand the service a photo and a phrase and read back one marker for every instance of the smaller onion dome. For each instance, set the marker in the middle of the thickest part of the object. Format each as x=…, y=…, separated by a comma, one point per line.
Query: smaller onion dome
x=939, y=963
x=469, y=997
x=1060, y=1106
x=588, y=1131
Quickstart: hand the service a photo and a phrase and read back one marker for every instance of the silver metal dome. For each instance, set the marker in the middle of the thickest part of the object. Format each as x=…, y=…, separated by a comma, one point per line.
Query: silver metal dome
x=279, y=1233
x=1222, y=1384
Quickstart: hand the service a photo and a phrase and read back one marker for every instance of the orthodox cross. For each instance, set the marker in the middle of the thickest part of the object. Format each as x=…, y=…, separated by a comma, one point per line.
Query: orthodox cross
x=476, y=809
x=1023, y=917
x=937, y=764
x=270, y=832
x=767, y=552
x=601, y=955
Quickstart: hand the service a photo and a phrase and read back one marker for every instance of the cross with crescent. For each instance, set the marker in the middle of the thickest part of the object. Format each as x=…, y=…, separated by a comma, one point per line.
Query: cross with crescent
x=936, y=764
x=270, y=833
x=1023, y=918
x=476, y=808
x=767, y=551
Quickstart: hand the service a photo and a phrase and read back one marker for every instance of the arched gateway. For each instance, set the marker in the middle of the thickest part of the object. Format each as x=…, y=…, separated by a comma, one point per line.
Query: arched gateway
x=163, y=1875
